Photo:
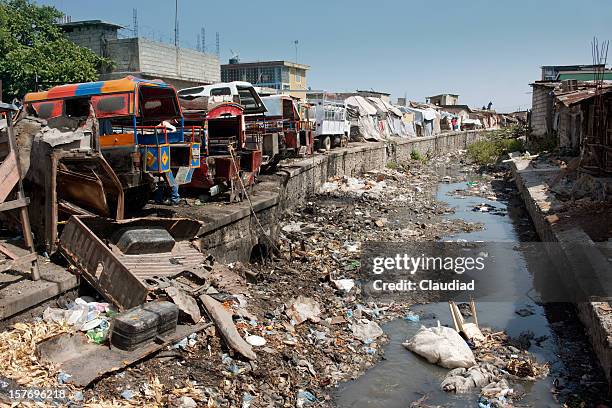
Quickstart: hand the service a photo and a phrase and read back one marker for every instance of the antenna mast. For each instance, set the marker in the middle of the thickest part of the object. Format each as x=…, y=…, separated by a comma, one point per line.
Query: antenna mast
x=218, y=45
x=176, y=24
x=135, y=22
x=203, y=35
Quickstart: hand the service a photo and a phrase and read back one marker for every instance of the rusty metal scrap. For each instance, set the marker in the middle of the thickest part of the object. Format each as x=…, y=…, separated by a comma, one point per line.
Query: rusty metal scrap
x=126, y=280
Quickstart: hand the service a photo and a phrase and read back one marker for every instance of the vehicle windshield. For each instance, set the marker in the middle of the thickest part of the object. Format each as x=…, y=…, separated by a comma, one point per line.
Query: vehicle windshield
x=193, y=92
x=250, y=100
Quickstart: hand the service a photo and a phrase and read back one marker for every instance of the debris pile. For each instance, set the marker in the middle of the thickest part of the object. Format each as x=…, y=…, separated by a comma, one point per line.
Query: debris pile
x=285, y=330
x=480, y=360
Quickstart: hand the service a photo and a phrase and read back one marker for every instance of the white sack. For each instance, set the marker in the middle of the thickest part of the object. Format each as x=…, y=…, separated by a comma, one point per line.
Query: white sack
x=443, y=346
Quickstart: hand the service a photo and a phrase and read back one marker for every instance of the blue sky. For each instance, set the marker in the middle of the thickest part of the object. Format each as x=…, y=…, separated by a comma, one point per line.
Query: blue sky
x=481, y=49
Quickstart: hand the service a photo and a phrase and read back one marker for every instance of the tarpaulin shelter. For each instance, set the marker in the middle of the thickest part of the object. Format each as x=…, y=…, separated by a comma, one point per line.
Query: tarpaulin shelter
x=394, y=120
x=381, y=113
x=424, y=120
x=363, y=118
x=408, y=121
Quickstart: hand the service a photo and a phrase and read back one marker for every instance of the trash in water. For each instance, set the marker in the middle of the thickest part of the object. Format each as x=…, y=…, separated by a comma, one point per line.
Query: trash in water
x=524, y=312
x=526, y=368
x=462, y=380
x=441, y=345
x=412, y=317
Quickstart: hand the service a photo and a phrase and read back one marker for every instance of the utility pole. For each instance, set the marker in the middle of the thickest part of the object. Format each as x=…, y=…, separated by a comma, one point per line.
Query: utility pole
x=176, y=24
x=296, y=42
x=218, y=45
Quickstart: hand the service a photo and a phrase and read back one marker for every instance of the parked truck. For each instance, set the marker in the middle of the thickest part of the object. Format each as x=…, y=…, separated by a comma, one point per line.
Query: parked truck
x=284, y=129
x=330, y=124
x=231, y=159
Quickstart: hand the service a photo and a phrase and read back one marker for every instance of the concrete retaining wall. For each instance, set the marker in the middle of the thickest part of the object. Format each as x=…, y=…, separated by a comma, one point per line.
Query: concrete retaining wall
x=574, y=253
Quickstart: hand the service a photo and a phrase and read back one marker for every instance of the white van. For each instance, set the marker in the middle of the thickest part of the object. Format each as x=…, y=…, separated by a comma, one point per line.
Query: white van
x=331, y=125
x=239, y=92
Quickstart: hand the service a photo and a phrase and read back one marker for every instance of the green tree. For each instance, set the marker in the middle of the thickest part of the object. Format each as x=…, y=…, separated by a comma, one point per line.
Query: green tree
x=32, y=47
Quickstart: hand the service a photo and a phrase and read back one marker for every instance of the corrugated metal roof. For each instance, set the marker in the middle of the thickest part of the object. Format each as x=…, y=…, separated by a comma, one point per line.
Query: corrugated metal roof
x=574, y=97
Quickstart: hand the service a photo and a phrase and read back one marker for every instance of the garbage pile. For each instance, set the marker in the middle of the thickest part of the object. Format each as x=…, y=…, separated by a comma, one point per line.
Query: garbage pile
x=487, y=365
x=276, y=333
x=84, y=314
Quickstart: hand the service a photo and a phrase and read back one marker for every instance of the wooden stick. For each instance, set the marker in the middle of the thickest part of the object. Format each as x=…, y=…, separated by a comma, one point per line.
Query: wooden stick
x=450, y=305
x=474, y=312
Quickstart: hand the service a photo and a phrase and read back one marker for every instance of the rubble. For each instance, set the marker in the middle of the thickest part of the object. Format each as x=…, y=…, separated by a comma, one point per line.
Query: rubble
x=186, y=304
x=366, y=330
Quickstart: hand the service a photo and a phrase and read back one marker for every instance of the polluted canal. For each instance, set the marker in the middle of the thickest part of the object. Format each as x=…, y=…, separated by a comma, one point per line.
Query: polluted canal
x=548, y=334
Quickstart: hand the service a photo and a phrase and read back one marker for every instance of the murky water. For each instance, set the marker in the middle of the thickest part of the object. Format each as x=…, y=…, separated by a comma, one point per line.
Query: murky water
x=403, y=377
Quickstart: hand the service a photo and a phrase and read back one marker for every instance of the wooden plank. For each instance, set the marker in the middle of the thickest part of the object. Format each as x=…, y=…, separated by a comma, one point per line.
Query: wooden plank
x=225, y=324
x=11, y=205
x=9, y=176
x=31, y=257
x=8, y=252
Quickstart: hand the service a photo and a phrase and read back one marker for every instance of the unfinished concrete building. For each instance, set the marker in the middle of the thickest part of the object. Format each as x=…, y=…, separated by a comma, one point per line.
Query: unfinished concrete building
x=142, y=57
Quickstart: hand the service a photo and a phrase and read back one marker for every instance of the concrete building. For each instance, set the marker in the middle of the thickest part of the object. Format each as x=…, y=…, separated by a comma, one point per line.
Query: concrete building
x=551, y=72
x=142, y=57
x=341, y=96
x=285, y=76
x=443, y=99
x=385, y=96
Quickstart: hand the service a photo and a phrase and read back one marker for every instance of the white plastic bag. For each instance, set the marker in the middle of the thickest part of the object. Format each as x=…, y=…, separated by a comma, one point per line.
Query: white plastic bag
x=441, y=345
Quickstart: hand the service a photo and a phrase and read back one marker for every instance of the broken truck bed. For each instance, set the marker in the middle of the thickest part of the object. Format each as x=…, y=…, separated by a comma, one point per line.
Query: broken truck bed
x=126, y=280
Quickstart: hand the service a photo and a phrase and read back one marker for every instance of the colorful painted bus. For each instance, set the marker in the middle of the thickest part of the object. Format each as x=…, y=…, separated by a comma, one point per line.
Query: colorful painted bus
x=141, y=129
